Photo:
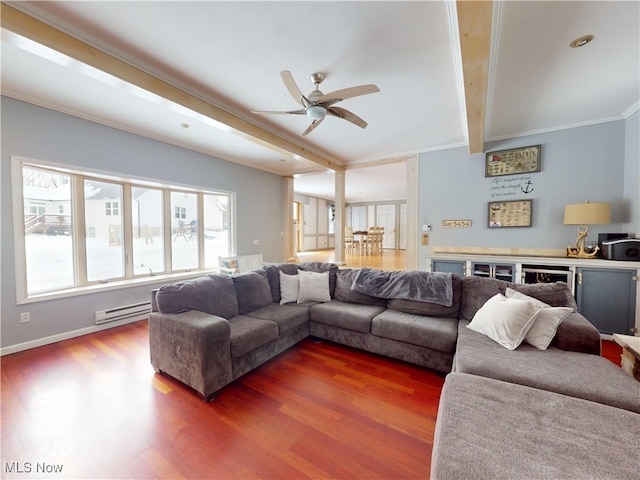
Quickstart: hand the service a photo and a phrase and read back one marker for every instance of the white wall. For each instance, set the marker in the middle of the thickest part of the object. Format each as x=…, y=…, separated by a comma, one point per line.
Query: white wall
x=38, y=133
x=632, y=175
x=578, y=164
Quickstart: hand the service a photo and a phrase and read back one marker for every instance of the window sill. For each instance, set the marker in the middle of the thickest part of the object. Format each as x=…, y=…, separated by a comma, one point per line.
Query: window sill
x=115, y=285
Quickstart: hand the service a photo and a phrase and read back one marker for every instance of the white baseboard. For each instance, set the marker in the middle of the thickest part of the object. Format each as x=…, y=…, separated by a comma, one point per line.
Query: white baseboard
x=40, y=342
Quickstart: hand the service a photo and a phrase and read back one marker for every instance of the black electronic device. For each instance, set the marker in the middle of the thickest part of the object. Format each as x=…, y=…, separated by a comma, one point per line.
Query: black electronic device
x=625, y=249
x=606, y=237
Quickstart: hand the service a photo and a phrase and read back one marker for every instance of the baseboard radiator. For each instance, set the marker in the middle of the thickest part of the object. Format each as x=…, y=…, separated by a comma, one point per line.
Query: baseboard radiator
x=136, y=311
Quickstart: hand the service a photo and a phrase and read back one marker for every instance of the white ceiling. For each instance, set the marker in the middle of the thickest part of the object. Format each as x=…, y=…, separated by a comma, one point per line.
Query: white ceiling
x=231, y=53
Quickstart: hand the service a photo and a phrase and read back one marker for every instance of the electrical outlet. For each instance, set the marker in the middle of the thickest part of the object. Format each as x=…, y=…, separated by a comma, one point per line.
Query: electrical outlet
x=25, y=317
x=425, y=239
x=256, y=242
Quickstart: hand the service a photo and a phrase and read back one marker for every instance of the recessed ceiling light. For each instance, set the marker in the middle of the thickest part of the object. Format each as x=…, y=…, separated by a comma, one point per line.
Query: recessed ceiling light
x=581, y=41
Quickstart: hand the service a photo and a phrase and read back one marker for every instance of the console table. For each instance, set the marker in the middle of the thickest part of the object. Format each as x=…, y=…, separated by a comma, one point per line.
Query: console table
x=606, y=291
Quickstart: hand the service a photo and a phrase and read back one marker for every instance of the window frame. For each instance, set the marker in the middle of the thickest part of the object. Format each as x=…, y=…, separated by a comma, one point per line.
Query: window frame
x=81, y=285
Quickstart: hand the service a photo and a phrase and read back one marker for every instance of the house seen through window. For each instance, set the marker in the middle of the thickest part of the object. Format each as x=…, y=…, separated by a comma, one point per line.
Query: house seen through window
x=77, y=233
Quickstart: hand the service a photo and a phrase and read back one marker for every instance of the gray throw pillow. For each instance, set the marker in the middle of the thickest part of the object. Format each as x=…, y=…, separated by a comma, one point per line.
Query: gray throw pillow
x=253, y=290
x=214, y=294
x=556, y=294
x=273, y=273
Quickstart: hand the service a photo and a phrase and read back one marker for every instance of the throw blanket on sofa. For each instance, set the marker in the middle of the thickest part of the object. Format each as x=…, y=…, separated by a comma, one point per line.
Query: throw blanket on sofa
x=432, y=287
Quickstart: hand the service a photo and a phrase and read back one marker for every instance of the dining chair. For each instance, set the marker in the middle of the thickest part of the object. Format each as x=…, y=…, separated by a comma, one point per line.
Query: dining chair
x=371, y=242
x=349, y=240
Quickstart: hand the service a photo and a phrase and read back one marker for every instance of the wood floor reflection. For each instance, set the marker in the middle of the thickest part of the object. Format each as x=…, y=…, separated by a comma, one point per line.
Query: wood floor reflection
x=93, y=408
x=388, y=260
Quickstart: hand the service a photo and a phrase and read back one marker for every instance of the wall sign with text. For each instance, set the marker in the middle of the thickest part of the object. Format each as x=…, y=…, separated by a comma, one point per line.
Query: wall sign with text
x=455, y=223
x=512, y=162
x=510, y=214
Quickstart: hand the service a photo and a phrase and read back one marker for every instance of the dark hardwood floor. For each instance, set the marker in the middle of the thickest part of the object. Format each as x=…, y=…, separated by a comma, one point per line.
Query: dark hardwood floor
x=92, y=407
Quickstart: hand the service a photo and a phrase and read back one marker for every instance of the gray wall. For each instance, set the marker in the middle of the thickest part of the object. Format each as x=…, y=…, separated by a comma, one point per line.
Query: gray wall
x=578, y=164
x=38, y=133
x=632, y=175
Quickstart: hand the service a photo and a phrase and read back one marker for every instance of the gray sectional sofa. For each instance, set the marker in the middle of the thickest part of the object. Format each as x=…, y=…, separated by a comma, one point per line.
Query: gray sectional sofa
x=559, y=412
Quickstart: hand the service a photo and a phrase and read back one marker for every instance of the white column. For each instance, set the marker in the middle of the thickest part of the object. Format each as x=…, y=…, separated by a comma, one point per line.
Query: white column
x=339, y=221
x=413, y=184
x=288, y=253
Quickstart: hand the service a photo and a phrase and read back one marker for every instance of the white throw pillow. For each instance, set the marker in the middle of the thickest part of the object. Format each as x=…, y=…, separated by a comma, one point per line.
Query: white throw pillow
x=289, y=287
x=314, y=287
x=546, y=325
x=505, y=320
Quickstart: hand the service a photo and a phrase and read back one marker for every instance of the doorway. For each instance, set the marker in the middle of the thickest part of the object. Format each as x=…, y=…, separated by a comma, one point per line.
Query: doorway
x=386, y=217
x=297, y=230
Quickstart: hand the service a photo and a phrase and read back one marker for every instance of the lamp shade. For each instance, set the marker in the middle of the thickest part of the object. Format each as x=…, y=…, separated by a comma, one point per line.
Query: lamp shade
x=587, y=214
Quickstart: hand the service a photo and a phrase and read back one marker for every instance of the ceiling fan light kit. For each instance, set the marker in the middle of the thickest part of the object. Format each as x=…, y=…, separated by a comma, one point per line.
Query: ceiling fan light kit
x=318, y=105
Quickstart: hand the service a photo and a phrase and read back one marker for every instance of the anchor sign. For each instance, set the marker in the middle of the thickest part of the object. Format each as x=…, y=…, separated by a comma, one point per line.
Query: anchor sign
x=528, y=187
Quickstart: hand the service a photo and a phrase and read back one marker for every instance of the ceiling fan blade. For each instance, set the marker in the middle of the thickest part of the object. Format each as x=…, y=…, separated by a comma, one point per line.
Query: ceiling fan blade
x=312, y=127
x=290, y=112
x=292, y=86
x=347, y=115
x=339, y=95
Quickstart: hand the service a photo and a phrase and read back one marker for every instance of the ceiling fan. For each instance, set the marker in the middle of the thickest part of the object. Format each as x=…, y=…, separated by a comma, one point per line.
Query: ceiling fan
x=318, y=105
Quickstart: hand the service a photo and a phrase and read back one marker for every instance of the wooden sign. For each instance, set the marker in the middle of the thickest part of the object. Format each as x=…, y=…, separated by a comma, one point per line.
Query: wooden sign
x=455, y=223
x=512, y=162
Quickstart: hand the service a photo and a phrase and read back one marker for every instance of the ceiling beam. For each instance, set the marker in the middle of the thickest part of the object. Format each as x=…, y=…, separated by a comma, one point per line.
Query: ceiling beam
x=38, y=31
x=474, y=27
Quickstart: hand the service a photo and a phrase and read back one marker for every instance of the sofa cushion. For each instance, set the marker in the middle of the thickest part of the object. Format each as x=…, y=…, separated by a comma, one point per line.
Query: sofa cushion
x=546, y=324
x=249, y=333
x=576, y=374
x=287, y=317
x=252, y=290
x=320, y=267
x=431, y=309
x=487, y=429
x=273, y=273
x=350, y=316
x=475, y=293
x=434, y=333
x=505, y=320
x=477, y=290
x=214, y=294
x=556, y=294
x=343, y=292
x=289, y=288
x=313, y=287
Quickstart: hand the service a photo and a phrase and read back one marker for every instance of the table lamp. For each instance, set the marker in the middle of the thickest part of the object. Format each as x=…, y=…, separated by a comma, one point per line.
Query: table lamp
x=582, y=214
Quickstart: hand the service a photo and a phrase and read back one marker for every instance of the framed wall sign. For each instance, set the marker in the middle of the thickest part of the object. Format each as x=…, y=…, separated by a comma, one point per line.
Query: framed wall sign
x=516, y=213
x=512, y=162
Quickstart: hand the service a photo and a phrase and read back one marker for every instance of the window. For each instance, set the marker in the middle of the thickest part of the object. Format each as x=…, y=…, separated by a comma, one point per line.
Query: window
x=82, y=229
x=48, y=240
x=112, y=208
x=104, y=239
x=148, y=228
x=184, y=247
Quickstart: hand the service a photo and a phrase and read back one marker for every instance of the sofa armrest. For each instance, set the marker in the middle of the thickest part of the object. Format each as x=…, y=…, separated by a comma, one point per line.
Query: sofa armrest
x=577, y=334
x=193, y=347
